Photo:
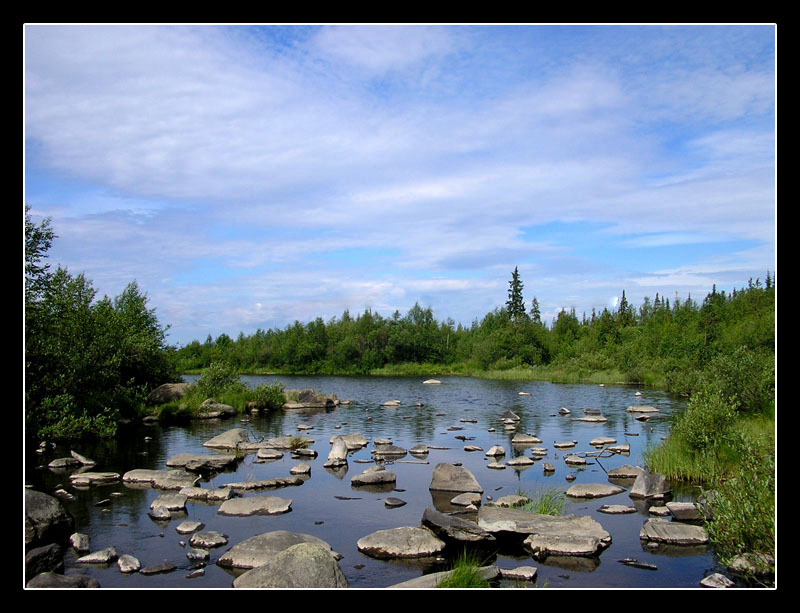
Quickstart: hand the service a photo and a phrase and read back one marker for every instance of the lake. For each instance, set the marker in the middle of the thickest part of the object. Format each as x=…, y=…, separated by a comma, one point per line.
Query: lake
x=328, y=507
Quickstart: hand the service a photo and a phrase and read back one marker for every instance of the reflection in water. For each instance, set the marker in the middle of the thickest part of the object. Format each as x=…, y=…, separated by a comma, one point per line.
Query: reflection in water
x=326, y=505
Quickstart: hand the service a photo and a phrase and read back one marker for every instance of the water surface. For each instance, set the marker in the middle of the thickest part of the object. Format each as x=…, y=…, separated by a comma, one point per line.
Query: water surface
x=328, y=507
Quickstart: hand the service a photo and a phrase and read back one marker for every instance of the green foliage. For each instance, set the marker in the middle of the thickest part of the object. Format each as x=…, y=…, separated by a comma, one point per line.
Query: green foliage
x=87, y=362
x=218, y=378
x=465, y=573
x=269, y=397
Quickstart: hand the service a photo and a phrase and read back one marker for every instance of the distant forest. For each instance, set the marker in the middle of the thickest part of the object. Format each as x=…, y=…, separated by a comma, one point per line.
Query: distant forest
x=662, y=342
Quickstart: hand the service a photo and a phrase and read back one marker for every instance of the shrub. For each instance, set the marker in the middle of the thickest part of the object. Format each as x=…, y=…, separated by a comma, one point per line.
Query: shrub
x=218, y=378
x=269, y=397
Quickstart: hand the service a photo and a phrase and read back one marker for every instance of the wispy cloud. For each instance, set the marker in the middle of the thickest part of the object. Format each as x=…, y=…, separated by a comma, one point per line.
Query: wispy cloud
x=251, y=176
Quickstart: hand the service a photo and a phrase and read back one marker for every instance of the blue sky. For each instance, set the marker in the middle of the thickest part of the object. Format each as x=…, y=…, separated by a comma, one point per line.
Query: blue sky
x=250, y=176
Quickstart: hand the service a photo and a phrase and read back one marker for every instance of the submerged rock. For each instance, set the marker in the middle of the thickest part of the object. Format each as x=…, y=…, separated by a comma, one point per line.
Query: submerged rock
x=674, y=533
x=258, y=550
x=255, y=505
x=452, y=478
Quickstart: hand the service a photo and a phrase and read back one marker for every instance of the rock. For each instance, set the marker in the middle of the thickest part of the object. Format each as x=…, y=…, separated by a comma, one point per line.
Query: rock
x=293, y=443
x=432, y=580
x=452, y=478
x=196, y=462
x=625, y=472
x=602, y=440
x=642, y=409
x=104, y=556
x=352, y=441
x=717, y=580
x=574, y=460
x=207, y=495
x=495, y=466
x=188, y=526
x=684, y=511
x=83, y=460
x=79, y=542
x=255, y=505
x=564, y=411
x=453, y=529
x=548, y=468
x=86, y=479
x=753, y=564
x=167, y=393
x=593, y=490
x=591, y=419
x=431, y=382
x=46, y=520
x=57, y=580
x=48, y=558
x=170, y=502
x=496, y=451
x=198, y=555
x=161, y=479
x=268, y=454
x=374, y=477
x=511, y=416
x=403, y=542
x=543, y=545
x=258, y=550
x=208, y=540
x=392, y=503
x=391, y=403
x=674, y=533
x=389, y=451
x=419, y=449
x=466, y=499
x=163, y=567
x=128, y=564
x=525, y=439
x=300, y=469
x=520, y=573
x=231, y=439
x=520, y=461
x=472, y=448
x=565, y=445
x=211, y=409
x=305, y=565
x=499, y=520
x=624, y=448
x=63, y=463
x=512, y=500
x=616, y=509
x=650, y=485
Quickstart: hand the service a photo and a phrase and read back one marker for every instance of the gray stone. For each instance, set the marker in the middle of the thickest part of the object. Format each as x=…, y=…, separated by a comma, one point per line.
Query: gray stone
x=373, y=477
x=305, y=565
x=451, y=478
x=616, y=509
x=543, y=545
x=300, y=469
x=255, y=505
x=161, y=479
x=717, y=580
x=338, y=453
x=642, y=409
x=675, y=533
x=211, y=409
x=684, y=511
x=593, y=490
x=197, y=462
x=171, y=502
x=432, y=580
x=79, y=542
x=57, y=580
x=525, y=439
x=231, y=439
x=403, y=542
x=208, y=540
x=625, y=472
x=496, y=451
x=520, y=573
x=83, y=460
x=266, y=484
x=258, y=550
x=103, y=556
x=86, y=479
x=455, y=529
x=650, y=485
x=128, y=564
x=167, y=392
x=46, y=520
x=189, y=526
x=466, y=499
x=207, y=494
x=155, y=569
x=48, y=558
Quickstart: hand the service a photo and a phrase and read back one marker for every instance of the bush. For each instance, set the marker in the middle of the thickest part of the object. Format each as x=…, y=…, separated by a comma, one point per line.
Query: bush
x=706, y=423
x=218, y=378
x=269, y=397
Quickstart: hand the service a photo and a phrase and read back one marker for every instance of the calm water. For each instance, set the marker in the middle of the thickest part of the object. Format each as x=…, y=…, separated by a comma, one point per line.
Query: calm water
x=124, y=523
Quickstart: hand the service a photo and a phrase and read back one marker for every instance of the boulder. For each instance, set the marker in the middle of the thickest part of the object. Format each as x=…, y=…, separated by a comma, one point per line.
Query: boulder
x=167, y=393
x=525, y=439
x=128, y=564
x=650, y=485
x=211, y=409
x=625, y=472
x=543, y=545
x=208, y=540
x=207, y=494
x=304, y=565
x=374, y=476
x=496, y=451
x=57, y=580
x=684, y=511
x=452, y=478
x=258, y=550
x=48, y=558
x=403, y=542
x=352, y=441
x=46, y=520
x=499, y=520
x=103, y=556
x=642, y=409
x=86, y=479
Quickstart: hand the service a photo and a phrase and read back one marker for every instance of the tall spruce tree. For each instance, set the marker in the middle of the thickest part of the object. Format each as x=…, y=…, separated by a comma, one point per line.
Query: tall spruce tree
x=515, y=305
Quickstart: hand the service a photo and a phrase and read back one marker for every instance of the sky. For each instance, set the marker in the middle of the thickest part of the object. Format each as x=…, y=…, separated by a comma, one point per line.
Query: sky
x=251, y=176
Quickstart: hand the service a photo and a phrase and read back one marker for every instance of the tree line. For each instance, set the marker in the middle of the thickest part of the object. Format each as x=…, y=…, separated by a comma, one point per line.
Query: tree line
x=662, y=341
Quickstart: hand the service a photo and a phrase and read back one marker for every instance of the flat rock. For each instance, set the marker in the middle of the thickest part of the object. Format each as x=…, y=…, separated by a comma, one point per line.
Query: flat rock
x=128, y=564
x=155, y=569
x=650, y=485
x=675, y=533
x=591, y=419
x=228, y=440
x=305, y=565
x=466, y=499
x=188, y=526
x=103, y=556
x=525, y=439
x=616, y=509
x=93, y=478
x=520, y=461
x=642, y=409
x=258, y=550
x=207, y=494
x=161, y=479
x=208, y=539
x=266, y=484
x=684, y=511
x=373, y=477
x=524, y=523
x=543, y=545
x=171, y=502
x=520, y=573
x=255, y=505
x=196, y=462
x=625, y=472
x=403, y=542
x=593, y=490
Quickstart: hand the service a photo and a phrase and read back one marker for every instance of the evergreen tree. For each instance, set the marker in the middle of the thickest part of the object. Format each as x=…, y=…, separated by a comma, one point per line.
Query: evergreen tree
x=536, y=315
x=515, y=305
